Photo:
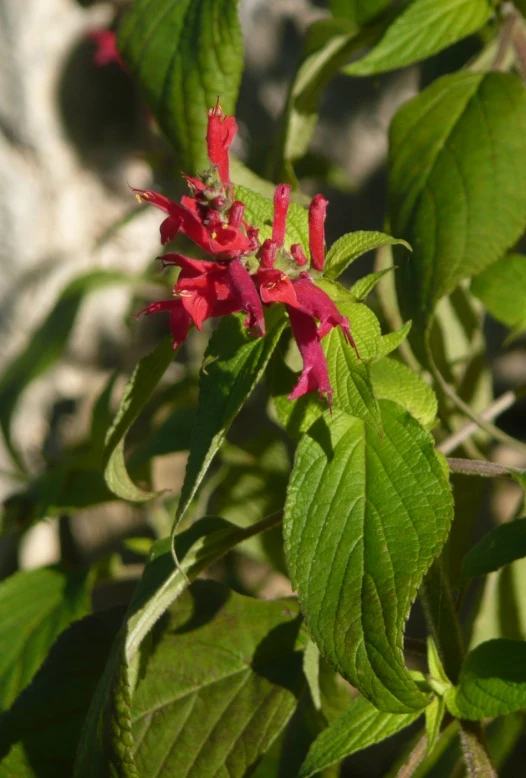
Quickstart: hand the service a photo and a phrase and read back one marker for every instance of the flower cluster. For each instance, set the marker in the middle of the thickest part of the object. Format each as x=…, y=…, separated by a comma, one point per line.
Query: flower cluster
x=244, y=273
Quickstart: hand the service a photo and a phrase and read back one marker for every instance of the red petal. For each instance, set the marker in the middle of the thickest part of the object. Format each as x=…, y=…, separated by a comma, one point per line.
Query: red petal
x=315, y=302
x=244, y=289
x=281, y=207
x=219, y=136
x=317, y=213
x=314, y=376
x=276, y=287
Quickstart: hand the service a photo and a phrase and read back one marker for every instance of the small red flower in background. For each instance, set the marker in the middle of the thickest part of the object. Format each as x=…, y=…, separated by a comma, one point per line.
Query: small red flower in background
x=244, y=274
x=106, y=50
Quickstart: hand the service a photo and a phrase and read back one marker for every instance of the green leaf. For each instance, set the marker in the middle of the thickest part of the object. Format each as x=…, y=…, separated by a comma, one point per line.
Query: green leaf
x=502, y=289
x=137, y=392
x=161, y=584
x=234, y=363
x=503, y=545
x=359, y=11
x=311, y=669
x=390, y=342
x=183, y=55
x=35, y=607
x=259, y=211
x=467, y=132
x=392, y=380
x=364, y=518
x=46, y=344
x=361, y=726
x=434, y=717
x=39, y=734
x=361, y=289
x=492, y=681
x=353, y=245
x=422, y=29
x=222, y=683
x=350, y=380
x=329, y=44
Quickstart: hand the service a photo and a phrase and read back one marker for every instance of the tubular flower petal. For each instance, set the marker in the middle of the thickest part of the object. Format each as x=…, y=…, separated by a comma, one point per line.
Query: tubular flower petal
x=179, y=321
x=314, y=376
x=244, y=289
x=219, y=136
x=208, y=232
x=276, y=287
x=281, y=207
x=235, y=216
x=313, y=301
x=268, y=253
x=317, y=213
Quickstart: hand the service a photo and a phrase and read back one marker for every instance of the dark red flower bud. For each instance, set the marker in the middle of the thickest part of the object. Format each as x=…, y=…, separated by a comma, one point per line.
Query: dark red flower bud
x=298, y=254
x=235, y=215
x=268, y=252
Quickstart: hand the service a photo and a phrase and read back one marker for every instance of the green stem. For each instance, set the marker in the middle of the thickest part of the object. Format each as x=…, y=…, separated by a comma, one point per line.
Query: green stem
x=439, y=609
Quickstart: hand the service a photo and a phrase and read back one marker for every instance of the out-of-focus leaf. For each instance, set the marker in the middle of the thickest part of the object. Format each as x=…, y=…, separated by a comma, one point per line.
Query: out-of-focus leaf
x=137, y=392
x=183, y=55
x=365, y=517
x=502, y=289
x=328, y=45
x=47, y=343
x=358, y=11
x=39, y=734
x=422, y=29
x=467, y=132
x=35, y=607
x=503, y=545
x=361, y=726
x=492, y=681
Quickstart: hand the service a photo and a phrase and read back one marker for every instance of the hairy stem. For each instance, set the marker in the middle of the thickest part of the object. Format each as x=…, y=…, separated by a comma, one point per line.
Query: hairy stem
x=479, y=467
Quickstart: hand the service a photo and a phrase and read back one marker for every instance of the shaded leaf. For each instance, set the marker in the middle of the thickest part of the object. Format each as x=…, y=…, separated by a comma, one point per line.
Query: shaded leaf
x=361, y=726
x=502, y=289
x=365, y=517
x=504, y=544
x=234, y=363
x=358, y=11
x=43, y=727
x=392, y=380
x=183, y=55
x=467, y=132
x=492, y=681
x=35, y=607
x=353, y=245
x=434, y=717
x=422, y=29
x=138, y=390
x=222, y=683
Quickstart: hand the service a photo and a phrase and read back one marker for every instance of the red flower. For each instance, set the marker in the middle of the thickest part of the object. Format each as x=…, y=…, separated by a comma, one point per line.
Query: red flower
x=201, y=224
x=106, y=50
x=219, y=136
x=314, y=376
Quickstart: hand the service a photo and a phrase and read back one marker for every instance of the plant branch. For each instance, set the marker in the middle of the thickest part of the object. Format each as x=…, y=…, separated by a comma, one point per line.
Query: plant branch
x=475, y=750
x=479, y=467
x=413, y=760
x=506, y=37
x=487, y=426
x=494, y=410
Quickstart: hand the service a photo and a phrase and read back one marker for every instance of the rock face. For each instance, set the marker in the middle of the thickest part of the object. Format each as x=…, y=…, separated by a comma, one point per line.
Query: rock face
x=68, y=134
